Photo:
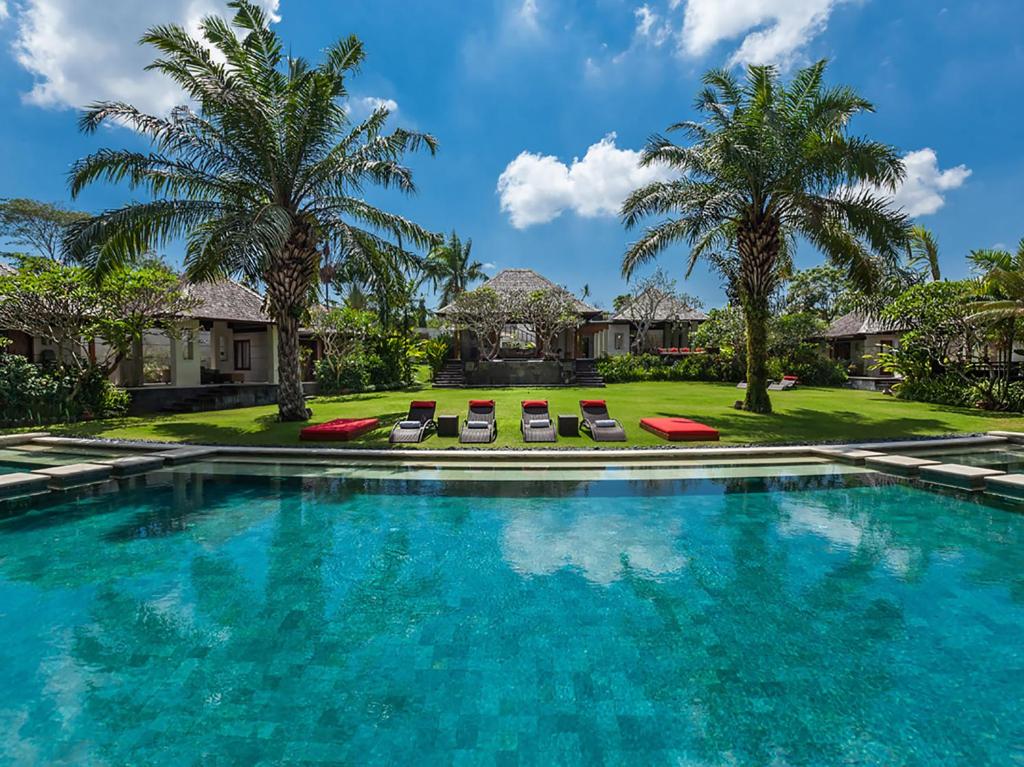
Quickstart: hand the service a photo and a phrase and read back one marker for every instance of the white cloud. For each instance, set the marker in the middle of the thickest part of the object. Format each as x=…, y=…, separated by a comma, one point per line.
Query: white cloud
x=80, y=52
x=772, y=32
x=535, y=188
x=4, y=13
x=362, y=106
x=489, y=266
x=921, y=193
x=527, y=15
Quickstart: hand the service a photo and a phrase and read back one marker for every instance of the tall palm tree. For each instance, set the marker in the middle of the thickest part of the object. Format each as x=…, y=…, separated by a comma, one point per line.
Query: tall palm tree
x=769, y=162
x=1001, y=277
x=451, y=268
x=266, y=171
x=924, y=249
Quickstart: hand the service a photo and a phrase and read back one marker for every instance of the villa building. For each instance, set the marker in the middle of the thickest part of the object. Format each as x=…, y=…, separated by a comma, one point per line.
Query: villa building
x=648, y=322
x=854, y=339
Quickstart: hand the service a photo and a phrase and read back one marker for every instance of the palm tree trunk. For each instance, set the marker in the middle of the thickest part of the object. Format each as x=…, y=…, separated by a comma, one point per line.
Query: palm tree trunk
x=756, y=314
x=289, y=280
x=758, y=245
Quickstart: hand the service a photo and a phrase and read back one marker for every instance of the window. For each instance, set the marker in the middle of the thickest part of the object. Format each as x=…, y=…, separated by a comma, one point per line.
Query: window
x=243, y=358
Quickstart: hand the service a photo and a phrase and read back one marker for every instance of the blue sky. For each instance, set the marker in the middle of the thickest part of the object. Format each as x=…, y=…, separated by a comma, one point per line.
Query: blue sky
x=540, y=105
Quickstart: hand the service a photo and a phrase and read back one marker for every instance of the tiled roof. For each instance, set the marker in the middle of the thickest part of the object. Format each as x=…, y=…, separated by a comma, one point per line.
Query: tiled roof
x=526, y=281
x=226, y=300
x=668, y=308
x=859, y=324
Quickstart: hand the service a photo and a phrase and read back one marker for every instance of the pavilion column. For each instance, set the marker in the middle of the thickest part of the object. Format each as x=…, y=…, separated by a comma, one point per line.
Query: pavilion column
x=184, y=356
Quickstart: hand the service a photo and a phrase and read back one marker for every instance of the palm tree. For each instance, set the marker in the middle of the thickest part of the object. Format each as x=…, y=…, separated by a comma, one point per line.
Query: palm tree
x=266, y=172
x=451, y=269
x=770, y=161
x=924, y=249
x=1001, y=274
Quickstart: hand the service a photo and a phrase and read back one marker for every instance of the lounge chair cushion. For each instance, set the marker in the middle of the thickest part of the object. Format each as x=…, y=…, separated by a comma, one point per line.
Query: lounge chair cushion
x=605, y=422
x=678, y=429
x=540, y=423
x=409, y=424
x=789, y=378
x=535, y=403
x=593, y=403
x=340, y=429
x=477, y=424
x=481, y=403
x=422, y=404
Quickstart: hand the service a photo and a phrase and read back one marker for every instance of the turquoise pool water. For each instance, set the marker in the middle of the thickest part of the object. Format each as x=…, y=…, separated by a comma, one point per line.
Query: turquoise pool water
x=805, y=621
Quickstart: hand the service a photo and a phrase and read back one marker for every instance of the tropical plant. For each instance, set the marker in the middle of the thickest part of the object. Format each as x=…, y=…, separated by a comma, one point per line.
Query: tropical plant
x=261, y=181
x=655, y=299
x=550, y=312
x=484, y=313
x=771, y=161
x=924, y=251
x=451, y=268
x=38, y=226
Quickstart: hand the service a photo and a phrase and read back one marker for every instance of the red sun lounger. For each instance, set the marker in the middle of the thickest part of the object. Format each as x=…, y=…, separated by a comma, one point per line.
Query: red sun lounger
x=679, y=429
x=340, y=429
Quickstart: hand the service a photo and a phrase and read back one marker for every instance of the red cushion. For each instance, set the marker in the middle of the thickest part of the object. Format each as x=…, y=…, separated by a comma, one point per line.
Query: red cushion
x=673, y=350
x=340, y=429
x=481, y=403
x=593, y=403
x=685, y=349
x=535, y=403
x=678, y=429
x=789, y=378
x=422, y=403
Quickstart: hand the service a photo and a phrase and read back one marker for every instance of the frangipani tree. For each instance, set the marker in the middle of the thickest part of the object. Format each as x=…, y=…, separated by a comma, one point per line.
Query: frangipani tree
x=771, y=161
x=550, y=312
x=263, y=176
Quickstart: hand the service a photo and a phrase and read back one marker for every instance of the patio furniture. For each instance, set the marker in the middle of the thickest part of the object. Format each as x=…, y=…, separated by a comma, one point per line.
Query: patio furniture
x=602, y=427
x=679, y=429
x=340, y=429
x=416, y=425
x=448, y=425
x=480, y=425
x=535, y=422
x=568, y=425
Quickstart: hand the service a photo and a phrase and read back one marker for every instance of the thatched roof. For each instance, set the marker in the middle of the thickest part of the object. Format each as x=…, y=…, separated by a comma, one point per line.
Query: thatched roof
x=858, y=324
x=669, y=308
x=226, y=300
x=509, y=281
x=5, y=269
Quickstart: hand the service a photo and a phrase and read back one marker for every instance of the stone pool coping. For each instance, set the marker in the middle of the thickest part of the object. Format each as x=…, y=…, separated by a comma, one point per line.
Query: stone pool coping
x=180, y=452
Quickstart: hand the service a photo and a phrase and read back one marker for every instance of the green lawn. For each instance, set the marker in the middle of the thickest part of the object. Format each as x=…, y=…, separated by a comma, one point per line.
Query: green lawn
x=802, y=415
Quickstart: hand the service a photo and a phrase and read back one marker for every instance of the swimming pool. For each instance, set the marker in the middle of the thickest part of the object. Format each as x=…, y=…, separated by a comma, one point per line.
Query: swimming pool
x=195, y=616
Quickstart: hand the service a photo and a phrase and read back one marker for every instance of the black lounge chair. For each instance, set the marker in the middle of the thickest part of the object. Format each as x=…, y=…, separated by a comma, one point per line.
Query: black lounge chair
x=417, y=425
x=536, y=423
x=602, y=427
x=480, y=426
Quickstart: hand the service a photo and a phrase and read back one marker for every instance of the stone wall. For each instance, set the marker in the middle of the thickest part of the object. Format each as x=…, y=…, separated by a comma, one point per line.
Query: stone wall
x=519, y=373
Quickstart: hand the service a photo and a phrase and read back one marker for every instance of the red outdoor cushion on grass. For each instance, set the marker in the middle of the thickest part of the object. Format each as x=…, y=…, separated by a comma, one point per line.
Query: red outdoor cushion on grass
x=679, y=429
x=593, y=403
x=535, y=403
x=481, y=403
x=340, y=429
x=422, y=403
x=789, y=378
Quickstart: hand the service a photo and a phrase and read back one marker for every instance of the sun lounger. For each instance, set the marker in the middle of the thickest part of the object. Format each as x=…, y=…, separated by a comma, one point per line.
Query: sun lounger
x=596, y=420
x=340, y=429
x=416, y=425
x=480, y=426
x=536, y=423
x=679, y=429
x=787, y=382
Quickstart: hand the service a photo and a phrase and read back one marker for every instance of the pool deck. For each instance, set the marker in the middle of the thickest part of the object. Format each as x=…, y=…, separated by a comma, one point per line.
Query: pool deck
x=891, y=457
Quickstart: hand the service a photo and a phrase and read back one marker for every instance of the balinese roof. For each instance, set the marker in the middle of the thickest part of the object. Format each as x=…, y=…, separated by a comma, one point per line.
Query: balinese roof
x=859, y=324
x=509, y=281
x=669, y=308
x=226, y=300
x=5, y=269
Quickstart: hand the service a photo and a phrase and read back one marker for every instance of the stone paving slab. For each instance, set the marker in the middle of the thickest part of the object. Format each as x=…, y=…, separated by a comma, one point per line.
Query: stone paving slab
x=1006, y=484
x=6, y=440
x=851, y=455
x=956, y=474
x=75, y=474
x=135, y=464
x=899, y=464
x=22, y=483
x=186, y=454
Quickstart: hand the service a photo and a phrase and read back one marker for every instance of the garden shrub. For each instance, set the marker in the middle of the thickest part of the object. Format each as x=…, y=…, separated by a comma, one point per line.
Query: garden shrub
x=33, y=394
